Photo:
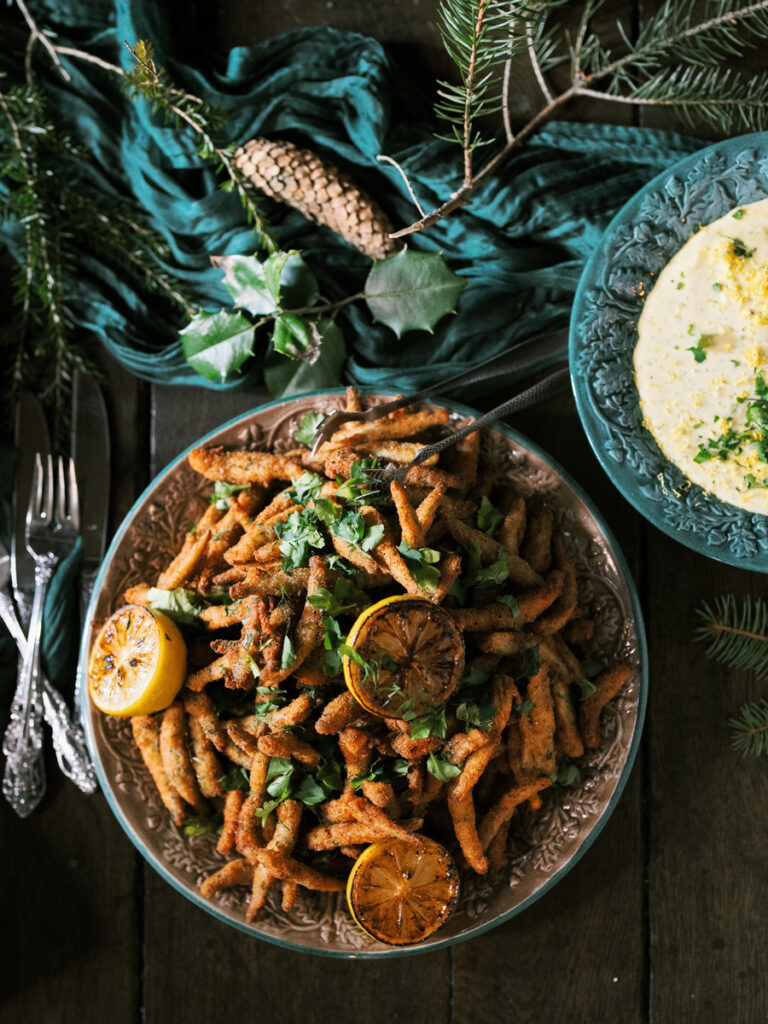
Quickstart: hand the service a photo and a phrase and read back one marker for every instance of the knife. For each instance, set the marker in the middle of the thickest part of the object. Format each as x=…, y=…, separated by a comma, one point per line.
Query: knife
x=91, y=453
x=30, y=436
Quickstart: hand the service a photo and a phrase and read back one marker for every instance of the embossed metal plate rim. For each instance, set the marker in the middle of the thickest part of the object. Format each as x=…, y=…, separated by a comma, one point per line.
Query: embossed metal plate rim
x=622, y=753
x=636, y=245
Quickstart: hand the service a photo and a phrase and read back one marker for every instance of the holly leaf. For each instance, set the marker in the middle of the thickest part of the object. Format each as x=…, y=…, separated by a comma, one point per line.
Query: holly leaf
x=282, y=280
x=217, y=344
x=411, y=291
x=319, y=366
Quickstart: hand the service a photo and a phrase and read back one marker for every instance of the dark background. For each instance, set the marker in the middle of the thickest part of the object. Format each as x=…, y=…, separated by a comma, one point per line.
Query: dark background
x=664, y=920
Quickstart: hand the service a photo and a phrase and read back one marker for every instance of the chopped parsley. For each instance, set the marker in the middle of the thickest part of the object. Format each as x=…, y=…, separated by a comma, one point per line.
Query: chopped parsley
x=431, y=723
x=222, y=492
x=307, y=487
x=298, y=535
x=421, y=564
x=738, y=214
x=441, y=768
x=306, y=430
x=703, y=341
x=477, y=714
x=739, y=248
x=391, y=771
x=489, y=518
x=236, y=779
x=357, y=484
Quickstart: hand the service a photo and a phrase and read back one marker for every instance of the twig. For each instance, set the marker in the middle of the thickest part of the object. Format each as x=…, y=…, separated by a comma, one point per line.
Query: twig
x=509, y=135
x=649, y=101
x=71, y=51
x=536, y=65
x=326, y=307
x=39, y=36
x=461, y=196
x=469, y=88
x=388, y=160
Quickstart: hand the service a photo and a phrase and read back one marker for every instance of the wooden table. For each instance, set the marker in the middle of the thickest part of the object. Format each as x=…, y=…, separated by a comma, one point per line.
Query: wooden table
x=664, y=920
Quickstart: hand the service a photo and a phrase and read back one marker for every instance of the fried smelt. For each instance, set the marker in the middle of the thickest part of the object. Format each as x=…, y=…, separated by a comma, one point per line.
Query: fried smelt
x=462, y=811
x=410, y=529
x=505, y=806
x=286, y=867
x=428, y=507
x=537, y=546
x=466, y=453
x=289, y=746
x=292, y=714
x=236, y=872
x=146, y=734
x=559, y=613
x=290, y=893
x=244, y=739
x=257, y=778
x=497, y=616
x=176, y=760
x=390, y=428
x=450, y=570
x=205, y=764
x=395, y=451
x=354, y=833
x=512, y=529
x=233, y=803
x=353, y=403
x=338, y=714
x=199, y=706
x=607, y=685
x=537, y=727
x=244, y=467
x=282, y=842
x=578, y=631
x=567, y=728
x=497, y=850
x=186, y=563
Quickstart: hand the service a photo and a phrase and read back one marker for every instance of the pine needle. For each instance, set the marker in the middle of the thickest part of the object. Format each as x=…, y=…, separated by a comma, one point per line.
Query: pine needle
x=737, y=638
x=749, y=732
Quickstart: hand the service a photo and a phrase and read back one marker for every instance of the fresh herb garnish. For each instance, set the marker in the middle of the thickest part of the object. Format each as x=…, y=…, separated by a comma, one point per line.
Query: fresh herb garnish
x=222, y=492
x=703, y=341
x=476, y=676
x=307, y=487
x=194, y=826
x=442, y=768
x=738, y=214
x=477, y=713
x=567, y=774
x=489, y=518
x=179, y=604
x=527, y=664
x=431, y=723
x=390, y=771
x=739, y=248
x=236, y=779
x=298, y=535
x=357, y=484
x=421, y=564
x=306, y=430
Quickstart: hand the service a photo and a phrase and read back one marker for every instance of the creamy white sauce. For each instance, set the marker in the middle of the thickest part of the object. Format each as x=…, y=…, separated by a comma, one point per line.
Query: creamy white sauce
x=702, y=354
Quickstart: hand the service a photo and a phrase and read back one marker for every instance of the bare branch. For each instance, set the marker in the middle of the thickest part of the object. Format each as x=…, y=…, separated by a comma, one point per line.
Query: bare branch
x=388, y=160
x=536, y=65
x=42, y=38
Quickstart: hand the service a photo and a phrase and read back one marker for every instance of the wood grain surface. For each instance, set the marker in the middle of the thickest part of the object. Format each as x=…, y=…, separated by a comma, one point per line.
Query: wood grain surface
x=662, y=921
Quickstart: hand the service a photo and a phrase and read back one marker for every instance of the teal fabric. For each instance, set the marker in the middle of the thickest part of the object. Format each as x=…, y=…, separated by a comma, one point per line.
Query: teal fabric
x=520, y=246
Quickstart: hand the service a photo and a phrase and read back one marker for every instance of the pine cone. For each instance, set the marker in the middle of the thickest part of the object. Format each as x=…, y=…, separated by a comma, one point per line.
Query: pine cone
x=320, y=191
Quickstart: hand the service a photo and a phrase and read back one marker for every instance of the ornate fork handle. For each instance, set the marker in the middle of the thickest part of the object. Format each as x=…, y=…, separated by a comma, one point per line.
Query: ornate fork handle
x=24, y=776
x=68, y=737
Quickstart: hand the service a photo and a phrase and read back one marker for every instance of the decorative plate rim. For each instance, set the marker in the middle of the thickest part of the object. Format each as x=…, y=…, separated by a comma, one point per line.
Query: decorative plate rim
x=478, y=929
x=661, y=490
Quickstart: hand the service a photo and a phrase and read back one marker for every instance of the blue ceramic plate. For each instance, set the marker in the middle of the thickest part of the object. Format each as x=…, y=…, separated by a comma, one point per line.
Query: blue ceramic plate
x=638, y=243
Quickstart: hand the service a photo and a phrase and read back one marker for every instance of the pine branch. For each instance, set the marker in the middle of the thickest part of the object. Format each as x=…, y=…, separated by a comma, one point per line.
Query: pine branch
x=675, y=62
x=151, y=82
x=736, y=638
x=749, y=731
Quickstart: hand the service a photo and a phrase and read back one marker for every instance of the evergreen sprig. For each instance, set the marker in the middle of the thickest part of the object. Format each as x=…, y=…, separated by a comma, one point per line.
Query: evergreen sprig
x=736, y=637
x=61, y=221
x=683, y=57
x=749, y=734
x=151, y=82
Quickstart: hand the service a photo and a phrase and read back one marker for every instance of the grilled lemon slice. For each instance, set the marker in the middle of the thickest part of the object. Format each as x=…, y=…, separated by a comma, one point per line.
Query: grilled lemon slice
x=408, y=657
x=401, y=892
x=137, y=663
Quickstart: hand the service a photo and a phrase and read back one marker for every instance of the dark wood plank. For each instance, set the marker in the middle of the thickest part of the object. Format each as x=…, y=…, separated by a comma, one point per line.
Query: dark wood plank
x=69, y=899
x=708, y=903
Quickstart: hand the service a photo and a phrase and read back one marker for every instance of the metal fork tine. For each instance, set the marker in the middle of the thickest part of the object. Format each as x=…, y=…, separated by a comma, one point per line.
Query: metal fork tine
x=36, y=490
x=47, y=507
x=74, y=497
x=61, y=492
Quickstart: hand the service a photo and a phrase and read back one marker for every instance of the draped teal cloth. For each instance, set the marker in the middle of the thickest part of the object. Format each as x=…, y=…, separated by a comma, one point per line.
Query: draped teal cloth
x=520, y=246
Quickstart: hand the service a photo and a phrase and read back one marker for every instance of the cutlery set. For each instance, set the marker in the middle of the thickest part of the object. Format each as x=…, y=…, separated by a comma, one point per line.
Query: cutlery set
x=56, y=501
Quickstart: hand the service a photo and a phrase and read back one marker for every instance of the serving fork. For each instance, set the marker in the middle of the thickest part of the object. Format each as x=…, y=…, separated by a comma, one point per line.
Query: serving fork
x=523, y=359
x=380, y=477
x=51, y=531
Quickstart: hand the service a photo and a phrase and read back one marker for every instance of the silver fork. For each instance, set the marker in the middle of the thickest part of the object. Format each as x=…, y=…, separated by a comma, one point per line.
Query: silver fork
x=68, y=737
x=524, y=359
x=381, y=476
x=51, y=531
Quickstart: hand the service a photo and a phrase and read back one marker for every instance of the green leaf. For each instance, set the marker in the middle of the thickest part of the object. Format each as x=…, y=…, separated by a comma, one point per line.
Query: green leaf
x=194, y=826
x=421, y=564
x=305, y=433
x=432, y=723
x=283, y=280
x=568, y=774
x=310, y=792
x=477, y=713
x=476, y=676
x=179, y=604
x=411, y=291
x=217, y=344
x=279, y=774
x=291, y=336
x=319, y=367
x=307, y=487
x=489, y=518
x=288, y=654
x=442, y=769
x=236, y=779
x=222, y=492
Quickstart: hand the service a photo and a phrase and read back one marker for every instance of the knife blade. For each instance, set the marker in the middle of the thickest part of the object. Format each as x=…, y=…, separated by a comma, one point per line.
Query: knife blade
x=91, y=452
x=30, y=437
